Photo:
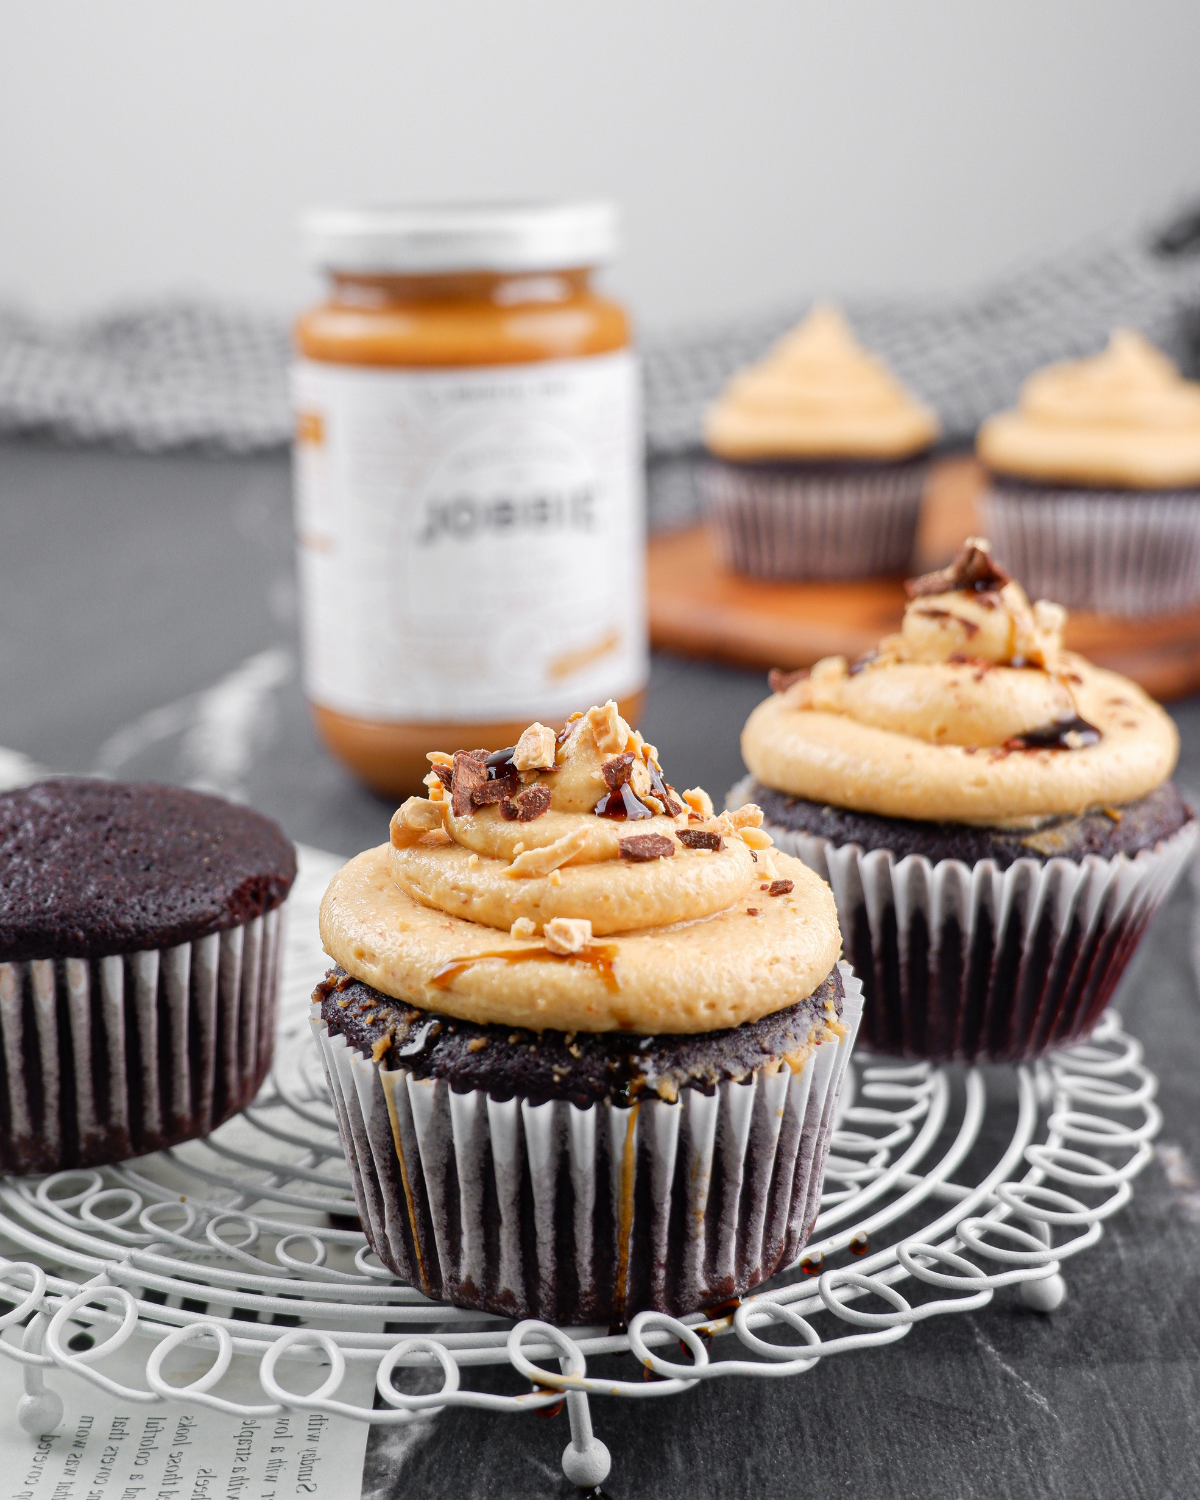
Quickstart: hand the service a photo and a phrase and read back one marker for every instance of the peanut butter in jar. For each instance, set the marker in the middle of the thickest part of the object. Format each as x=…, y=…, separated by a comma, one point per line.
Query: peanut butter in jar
x=468, y=481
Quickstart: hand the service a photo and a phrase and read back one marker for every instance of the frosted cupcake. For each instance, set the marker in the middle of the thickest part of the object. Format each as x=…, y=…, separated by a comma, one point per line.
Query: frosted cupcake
x=584, y=1037
x=1095, y=482
x=995, y=816
x=816, y=460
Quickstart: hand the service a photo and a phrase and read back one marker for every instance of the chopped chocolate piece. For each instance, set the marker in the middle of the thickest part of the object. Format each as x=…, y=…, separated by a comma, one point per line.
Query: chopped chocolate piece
x=779, y=681
x=1069, y=734
x=529, y=804
x=948, y=614
x=643, y=846
x=700, y=838
x=780, y=887
x=973, y=570
x=616, y=771
x=664, y=793
x=498, y=790
x=444, y=774
x=469, y=775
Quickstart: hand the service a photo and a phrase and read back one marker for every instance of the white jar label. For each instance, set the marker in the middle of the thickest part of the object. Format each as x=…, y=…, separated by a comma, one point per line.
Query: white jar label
x=471, y=541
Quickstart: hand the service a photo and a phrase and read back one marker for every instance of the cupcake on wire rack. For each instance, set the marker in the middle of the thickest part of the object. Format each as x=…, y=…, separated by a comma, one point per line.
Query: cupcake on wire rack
x=584, y=1038
x=816, y=460
x=140, y=957
x=995, y=816
x=1094, y=497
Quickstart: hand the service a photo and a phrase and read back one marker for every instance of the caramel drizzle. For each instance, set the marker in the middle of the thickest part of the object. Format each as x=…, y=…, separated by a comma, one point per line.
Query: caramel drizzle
x=599, y=957
x=625, y=1207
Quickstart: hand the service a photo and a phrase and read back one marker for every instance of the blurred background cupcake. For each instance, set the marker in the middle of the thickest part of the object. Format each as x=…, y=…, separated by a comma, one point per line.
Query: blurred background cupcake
x=1094, y=497
x=816, y=459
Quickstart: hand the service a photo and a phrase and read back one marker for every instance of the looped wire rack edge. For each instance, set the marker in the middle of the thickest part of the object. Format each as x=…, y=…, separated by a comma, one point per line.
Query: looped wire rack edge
x=249, y=1243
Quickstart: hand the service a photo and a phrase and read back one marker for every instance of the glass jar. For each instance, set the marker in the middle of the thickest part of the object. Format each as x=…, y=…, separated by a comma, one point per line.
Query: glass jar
x=468, y=481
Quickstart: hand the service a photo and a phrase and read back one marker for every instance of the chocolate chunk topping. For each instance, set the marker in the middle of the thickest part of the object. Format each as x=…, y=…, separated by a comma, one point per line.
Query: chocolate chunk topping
x=616, y=771
x=1068, y=734
x=498, y=790
x=973, y=570
x=700, y=838
x=445, y=775
x=643, y=846
x=779, y=681
x=780, y=887
x=470, y=774
x=529, y=804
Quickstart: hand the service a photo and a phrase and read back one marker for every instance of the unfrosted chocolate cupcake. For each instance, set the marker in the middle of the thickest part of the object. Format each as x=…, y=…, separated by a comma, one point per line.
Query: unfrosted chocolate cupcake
x=584, y=1038
x=816, y=460
x=139, y=963
x=994, y=814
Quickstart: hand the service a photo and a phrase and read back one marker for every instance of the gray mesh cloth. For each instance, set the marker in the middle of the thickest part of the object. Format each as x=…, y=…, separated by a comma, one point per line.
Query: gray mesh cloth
x=196, y=374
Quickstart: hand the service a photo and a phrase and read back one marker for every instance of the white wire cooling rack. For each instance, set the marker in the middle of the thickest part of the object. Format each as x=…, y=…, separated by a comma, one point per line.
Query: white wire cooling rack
x=249, y=1243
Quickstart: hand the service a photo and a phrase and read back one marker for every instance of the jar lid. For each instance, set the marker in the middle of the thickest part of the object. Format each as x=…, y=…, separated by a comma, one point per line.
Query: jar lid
x=425, y=238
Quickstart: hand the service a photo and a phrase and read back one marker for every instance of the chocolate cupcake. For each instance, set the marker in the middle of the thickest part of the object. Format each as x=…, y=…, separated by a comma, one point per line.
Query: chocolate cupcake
x=140, y=933
x=994, y=814
x=1094, y=497
x=584, y=1038
x=816, y=460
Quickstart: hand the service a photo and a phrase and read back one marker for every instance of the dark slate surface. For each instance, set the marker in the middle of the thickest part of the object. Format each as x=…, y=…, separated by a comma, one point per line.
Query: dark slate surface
x=147, y=627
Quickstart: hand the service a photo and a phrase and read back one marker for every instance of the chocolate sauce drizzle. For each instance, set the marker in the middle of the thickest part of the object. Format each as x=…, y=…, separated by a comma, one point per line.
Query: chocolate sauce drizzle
x=1055, y=736
x=621, y=805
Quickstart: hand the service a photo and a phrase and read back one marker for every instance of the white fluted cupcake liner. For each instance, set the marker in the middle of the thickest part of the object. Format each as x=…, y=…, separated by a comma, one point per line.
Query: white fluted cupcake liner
x=979, y=964
x=108, y=1058
x=1117, y=552
x=770, y=522
x=587, y=1215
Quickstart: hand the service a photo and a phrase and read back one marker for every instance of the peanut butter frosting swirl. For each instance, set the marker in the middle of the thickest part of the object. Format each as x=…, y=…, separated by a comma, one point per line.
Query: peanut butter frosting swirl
x=818, y=394
x=564, y=883
x=1123, y=418
x=973, y=713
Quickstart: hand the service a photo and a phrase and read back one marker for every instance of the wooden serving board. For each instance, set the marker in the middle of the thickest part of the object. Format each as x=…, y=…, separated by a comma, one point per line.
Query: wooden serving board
x=699, y=609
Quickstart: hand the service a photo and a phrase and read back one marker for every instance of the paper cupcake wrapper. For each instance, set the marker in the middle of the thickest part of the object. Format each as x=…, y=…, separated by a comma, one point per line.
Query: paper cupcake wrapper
x=774, y=524
x=1113, y=551
x=978, y=964
x=108, y=1058
x=587, y=1215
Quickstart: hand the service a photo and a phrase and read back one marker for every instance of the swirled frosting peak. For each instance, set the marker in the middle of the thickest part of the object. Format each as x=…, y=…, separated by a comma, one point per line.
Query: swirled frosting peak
x=972, y=713
x=564, y=882
x=818, y=394
x=1124, y=417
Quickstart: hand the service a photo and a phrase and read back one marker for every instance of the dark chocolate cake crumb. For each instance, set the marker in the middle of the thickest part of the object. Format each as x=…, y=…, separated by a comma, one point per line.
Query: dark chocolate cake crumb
x=93, y=867
x=583, y=1067
x=1140, y=825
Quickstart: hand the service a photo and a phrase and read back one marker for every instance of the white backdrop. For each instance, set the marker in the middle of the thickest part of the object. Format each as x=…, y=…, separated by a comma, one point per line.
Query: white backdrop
x=763, y=150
